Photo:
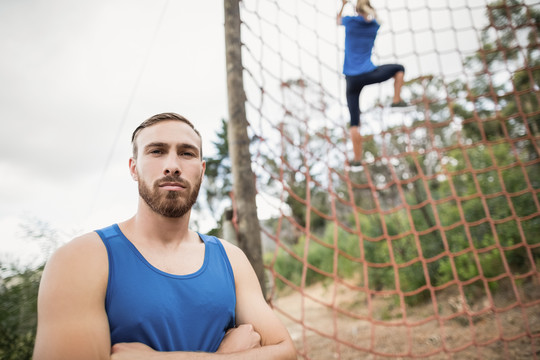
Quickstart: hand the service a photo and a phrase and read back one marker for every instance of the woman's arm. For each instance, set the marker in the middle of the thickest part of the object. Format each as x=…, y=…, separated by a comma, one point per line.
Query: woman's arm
x=338, y=19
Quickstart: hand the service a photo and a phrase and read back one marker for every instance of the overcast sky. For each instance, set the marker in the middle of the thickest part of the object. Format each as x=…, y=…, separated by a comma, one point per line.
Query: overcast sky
x=76, y=77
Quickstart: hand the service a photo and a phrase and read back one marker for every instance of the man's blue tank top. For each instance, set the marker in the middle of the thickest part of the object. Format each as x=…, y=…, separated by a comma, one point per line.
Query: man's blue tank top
x=164, y=311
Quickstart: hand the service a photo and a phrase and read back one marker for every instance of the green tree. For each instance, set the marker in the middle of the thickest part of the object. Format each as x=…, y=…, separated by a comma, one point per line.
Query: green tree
x=18, y=314
x=295, y=159
x=218, y=179
x=469, y=164
x=18, y=294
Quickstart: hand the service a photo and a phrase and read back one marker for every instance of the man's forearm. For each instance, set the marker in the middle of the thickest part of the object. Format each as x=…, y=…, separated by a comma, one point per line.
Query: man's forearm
x=283, y=350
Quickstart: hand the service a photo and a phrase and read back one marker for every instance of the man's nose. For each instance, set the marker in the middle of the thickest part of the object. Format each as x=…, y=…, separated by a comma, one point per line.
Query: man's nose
x=172, y=167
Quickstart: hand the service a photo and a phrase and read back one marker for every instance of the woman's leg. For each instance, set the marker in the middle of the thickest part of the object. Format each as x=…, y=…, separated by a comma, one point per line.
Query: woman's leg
x=354, y=87
x=398, y=84
x=355, y=84
x=356, y=140
x=385, y=72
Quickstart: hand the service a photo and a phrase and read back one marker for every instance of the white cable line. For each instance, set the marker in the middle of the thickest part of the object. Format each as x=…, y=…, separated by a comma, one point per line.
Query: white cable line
x=128, y=107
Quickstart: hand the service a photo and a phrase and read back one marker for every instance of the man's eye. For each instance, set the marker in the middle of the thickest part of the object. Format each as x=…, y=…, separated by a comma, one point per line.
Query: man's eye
x=187, y=154
x=156, y=151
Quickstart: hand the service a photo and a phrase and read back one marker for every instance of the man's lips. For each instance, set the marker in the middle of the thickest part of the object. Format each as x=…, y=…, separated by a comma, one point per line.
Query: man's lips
x=172, y=186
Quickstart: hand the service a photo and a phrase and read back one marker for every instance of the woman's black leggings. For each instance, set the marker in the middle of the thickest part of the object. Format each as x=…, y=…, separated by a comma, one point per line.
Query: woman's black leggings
x=356, y=83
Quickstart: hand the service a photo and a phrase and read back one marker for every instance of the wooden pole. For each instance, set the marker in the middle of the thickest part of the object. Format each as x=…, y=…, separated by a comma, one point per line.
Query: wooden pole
x=249, y=233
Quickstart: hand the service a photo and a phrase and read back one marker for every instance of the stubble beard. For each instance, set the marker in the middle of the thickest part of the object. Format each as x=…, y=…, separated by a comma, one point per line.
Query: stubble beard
x=171, y=204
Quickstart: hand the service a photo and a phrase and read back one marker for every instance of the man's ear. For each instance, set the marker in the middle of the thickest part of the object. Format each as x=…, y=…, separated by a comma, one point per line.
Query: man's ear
x=133, y=168
x=203, y=170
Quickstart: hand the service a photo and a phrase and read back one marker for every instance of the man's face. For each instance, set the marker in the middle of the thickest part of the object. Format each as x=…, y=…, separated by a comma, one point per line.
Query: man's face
x=168, y=167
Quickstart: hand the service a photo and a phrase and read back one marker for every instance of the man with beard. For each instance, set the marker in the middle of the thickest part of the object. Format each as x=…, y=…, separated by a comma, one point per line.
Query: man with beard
x=149, y=287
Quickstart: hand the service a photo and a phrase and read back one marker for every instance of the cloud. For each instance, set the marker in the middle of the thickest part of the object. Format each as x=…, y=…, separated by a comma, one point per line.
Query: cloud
x=76, y=78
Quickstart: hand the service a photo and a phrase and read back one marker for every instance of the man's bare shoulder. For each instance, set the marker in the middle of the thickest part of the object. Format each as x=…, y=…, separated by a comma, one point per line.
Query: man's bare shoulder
x=233, y=252
x=89, y=244
x=85, y=253
x=75, y=271
x=244, y=274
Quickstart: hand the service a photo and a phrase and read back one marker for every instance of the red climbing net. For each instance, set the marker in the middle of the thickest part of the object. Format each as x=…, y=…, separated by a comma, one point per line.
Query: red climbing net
x=432, y=248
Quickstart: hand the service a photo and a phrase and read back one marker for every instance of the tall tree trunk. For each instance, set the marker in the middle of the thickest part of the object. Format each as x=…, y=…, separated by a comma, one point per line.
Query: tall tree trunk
x=249, y=234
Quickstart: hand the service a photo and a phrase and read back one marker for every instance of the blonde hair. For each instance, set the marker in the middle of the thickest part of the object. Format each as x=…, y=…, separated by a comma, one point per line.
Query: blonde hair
x=364, y=8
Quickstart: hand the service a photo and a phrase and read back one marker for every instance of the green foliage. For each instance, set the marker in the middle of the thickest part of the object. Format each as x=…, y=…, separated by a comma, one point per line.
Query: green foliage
x=460, y=201
x=319, y=201
x=18, y=294
x=531, y=229
x=18, y=313
x=403, y=250
x=320, y=258
x=411, y=277
x=218, y=182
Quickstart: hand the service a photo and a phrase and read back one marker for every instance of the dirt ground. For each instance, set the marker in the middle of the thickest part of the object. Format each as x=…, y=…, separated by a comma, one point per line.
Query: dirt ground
x=333, y=322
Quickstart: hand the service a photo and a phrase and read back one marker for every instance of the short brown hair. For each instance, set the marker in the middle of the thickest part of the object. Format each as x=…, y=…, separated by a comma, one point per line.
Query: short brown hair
x=159, y=118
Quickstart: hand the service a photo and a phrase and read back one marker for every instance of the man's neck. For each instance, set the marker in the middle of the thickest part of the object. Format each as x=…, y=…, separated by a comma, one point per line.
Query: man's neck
x=166, y=243
x=154, y=229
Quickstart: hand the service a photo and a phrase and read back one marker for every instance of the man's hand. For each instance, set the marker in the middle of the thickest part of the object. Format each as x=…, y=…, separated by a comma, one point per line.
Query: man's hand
x=241, y=338
x=131, y=351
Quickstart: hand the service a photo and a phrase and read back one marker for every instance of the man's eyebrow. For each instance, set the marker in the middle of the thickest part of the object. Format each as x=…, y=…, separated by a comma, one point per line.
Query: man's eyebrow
x=156, y=144
x=188, y=147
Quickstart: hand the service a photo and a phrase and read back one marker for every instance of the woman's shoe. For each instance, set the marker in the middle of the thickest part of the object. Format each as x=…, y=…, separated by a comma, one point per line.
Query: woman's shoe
x=400, y=104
